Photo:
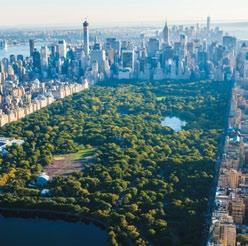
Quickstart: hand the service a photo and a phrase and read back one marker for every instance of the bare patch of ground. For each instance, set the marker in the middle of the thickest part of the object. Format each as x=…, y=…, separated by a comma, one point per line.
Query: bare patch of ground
x=65, y=165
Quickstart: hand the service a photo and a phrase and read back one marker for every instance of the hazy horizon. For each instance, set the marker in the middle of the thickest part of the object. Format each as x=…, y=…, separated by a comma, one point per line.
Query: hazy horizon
x=96, y=25
x=60, y=12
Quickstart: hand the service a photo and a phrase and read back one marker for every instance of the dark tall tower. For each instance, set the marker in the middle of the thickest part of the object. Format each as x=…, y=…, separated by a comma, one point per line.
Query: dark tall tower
x=36, y=59
x=31, y=46
x=86, y=38
x=208, y=23
x=166, y=34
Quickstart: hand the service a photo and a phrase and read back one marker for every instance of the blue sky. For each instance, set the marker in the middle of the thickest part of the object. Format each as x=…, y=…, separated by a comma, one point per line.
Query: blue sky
x=47, y=12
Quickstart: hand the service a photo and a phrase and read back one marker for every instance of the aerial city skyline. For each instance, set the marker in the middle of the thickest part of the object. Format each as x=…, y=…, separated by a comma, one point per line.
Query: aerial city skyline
x=178, y=52
x=140, y=130
x=197, y=52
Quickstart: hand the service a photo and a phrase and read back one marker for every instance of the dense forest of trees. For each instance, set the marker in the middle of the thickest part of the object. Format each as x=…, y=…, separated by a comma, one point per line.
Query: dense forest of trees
x=149, y=184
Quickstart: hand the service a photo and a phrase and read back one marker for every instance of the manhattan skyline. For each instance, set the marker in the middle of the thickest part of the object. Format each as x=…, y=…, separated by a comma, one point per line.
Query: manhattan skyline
x=61, y=12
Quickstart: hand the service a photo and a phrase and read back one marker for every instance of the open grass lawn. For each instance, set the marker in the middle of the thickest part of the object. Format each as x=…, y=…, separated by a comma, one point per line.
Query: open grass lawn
x=80, y=155
x=64, y=165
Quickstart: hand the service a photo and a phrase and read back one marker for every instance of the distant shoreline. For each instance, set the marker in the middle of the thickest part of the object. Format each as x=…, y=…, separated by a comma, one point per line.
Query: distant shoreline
x=133, y=24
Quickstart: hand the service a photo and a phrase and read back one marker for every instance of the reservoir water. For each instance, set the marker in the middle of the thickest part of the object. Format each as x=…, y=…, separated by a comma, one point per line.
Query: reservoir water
x=40, y=232
x=174, y=123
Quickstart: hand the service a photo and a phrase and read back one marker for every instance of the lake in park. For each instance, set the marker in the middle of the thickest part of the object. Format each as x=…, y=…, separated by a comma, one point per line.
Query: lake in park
x=174, y=123
x=40, y=232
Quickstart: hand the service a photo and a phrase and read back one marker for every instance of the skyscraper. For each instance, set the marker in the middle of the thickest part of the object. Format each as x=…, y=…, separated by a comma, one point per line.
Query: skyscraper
x=31, y=46
x=229, y=42
x=86, y=38
x=208, y=23
x=44, y=57
x=98, y=55
x=153, y=47
x=36, y=59
x=166, y=34
x=62, y=48
x=128, y=59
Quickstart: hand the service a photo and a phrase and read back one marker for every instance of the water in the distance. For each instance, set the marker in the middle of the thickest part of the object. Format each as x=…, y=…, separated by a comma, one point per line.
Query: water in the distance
x=174, y=123
x=20, y=49
x=39, y=232
x=14, y=50
x=239, y=30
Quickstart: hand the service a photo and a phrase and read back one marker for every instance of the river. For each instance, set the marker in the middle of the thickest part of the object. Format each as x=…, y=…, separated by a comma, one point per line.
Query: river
x=14, y=50
x=21, y=49
x=40, y=232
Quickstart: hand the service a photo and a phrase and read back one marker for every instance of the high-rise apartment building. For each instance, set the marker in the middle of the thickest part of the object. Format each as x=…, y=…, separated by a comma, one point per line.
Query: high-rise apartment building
x=228, y=234
x=44, y=56
x=153, y=47
x=62, y=48
x=128, y=59
x=31, y=46
x=86, y=38
x=237, y=210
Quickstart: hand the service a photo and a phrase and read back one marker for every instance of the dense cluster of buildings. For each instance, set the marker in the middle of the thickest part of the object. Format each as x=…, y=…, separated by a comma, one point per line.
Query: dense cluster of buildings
x=23, y=91
x=18, y=101
x=177, y=53
x=196, y=52
x=231, y=205
x=28, y=84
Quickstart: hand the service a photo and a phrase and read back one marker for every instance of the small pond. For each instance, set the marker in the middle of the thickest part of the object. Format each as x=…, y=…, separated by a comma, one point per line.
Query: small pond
x=174, y=123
